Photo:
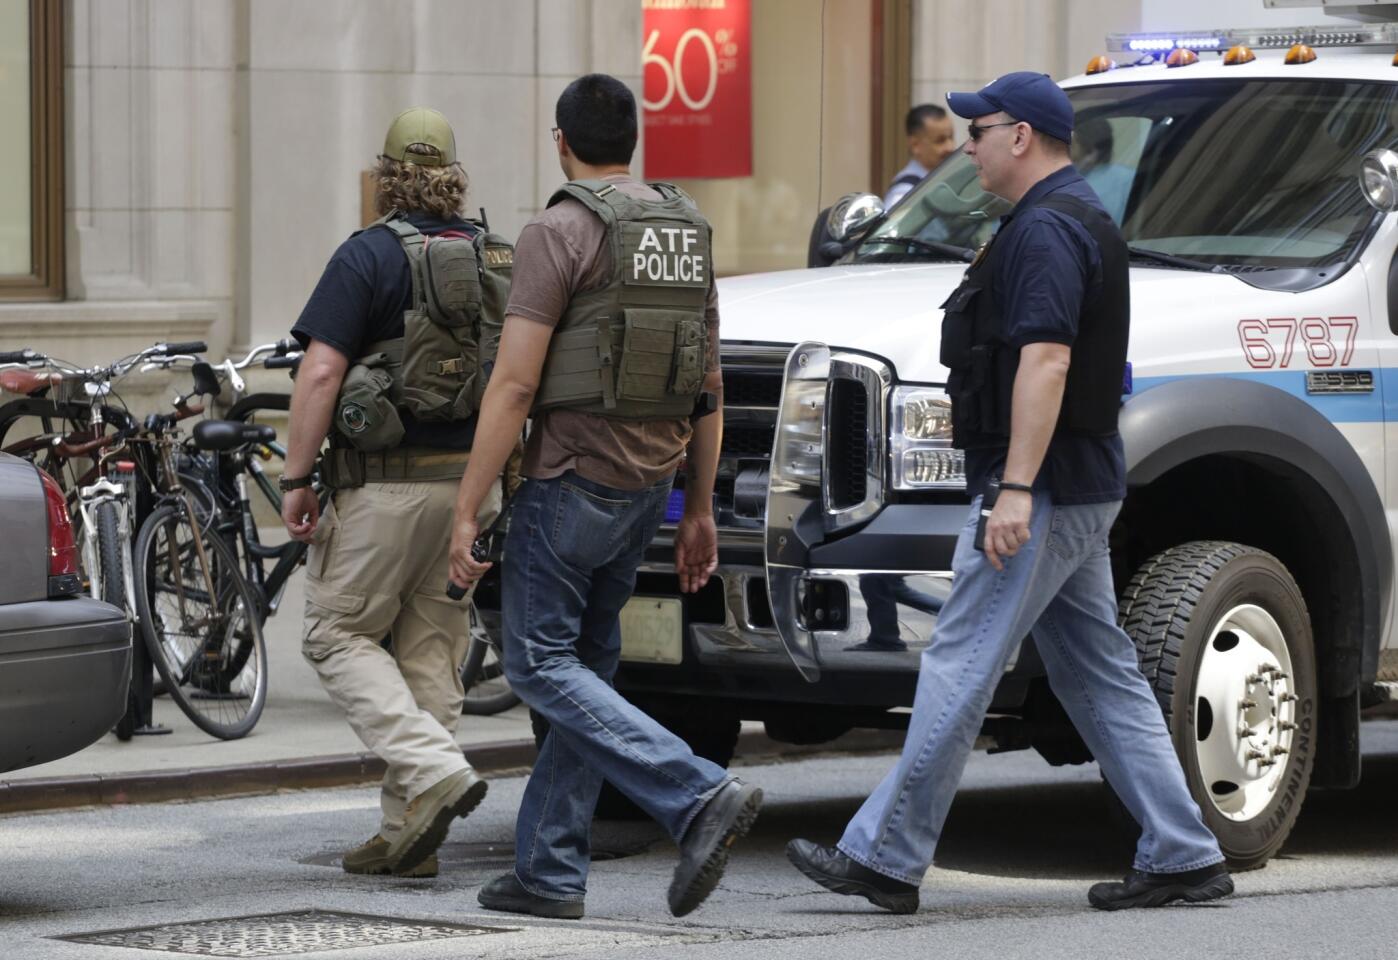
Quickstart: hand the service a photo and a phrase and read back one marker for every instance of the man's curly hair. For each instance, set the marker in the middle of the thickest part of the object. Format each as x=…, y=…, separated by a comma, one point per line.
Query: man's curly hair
x=412, y=187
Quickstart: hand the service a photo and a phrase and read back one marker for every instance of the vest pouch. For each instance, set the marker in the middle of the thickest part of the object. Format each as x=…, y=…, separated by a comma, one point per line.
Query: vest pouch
x=959, y=327
x=661, y=356
x=436, y=374
x=451, y=280
x=364, y=411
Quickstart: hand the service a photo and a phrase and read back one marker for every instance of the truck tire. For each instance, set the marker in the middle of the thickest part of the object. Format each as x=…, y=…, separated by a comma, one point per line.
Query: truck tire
x=710, y=733
x=1224, y=639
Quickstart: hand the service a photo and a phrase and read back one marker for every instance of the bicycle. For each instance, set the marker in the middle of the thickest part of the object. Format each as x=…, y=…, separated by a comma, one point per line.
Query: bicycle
x=200, y=618
x=106, y=495
x=228, y=462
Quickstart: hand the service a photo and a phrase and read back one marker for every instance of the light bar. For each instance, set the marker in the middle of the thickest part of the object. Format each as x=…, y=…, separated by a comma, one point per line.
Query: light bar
x=1365, y=35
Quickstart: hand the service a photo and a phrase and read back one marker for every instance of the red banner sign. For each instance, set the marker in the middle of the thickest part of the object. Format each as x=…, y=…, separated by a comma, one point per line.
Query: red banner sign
x=698, y=88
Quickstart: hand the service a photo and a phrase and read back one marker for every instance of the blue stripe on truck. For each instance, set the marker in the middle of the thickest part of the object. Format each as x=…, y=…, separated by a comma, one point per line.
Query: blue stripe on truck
x=1336, y=407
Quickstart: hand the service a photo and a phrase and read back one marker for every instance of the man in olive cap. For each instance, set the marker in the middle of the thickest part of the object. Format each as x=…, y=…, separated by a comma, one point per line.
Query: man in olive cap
x=378, y=560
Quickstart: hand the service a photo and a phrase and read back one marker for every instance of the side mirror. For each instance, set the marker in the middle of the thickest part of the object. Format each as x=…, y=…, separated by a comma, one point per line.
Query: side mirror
x=852, y=214
x=1378, y=180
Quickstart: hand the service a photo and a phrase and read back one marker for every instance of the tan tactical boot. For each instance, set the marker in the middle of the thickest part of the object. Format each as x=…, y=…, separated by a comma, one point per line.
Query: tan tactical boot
x=429, y=816
x=372, y=858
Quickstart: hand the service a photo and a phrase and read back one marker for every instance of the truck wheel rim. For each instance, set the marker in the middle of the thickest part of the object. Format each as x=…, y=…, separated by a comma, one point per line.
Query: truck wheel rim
x=1245, y=712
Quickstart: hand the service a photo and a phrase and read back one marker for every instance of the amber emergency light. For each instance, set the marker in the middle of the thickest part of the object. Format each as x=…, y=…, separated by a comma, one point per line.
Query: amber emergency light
x=1100, y=64
x=1299, y=53
x=1237, y=55
x=1181, y=57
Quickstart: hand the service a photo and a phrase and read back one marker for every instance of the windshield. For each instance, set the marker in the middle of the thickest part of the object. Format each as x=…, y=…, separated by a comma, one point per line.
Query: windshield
x=1248, y=173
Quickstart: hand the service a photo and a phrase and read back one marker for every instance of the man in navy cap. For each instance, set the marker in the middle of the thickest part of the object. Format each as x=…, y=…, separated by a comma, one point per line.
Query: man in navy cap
x=1034, y=339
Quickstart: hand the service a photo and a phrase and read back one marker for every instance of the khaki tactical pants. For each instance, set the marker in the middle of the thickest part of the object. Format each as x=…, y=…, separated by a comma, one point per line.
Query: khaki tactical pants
x=377, y=566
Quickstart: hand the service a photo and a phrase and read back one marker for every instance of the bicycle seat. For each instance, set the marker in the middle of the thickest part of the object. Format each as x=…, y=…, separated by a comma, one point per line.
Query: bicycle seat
x=229, y=434
x=27, y=382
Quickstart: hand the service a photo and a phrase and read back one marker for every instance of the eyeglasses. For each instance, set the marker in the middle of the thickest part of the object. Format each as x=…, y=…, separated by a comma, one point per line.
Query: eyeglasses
x=977, y=132
x=554, y=132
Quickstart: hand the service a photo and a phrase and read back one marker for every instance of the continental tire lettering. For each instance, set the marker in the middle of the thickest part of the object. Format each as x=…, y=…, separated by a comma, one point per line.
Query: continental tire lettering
x=1300, y=757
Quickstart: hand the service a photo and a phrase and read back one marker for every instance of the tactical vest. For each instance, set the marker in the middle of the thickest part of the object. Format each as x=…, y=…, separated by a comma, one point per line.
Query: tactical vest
x=438, y=369
x=634, y=348
x=983, y=365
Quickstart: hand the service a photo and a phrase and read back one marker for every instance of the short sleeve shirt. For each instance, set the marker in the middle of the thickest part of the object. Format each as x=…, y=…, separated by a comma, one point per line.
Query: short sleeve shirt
x=1049, y=265
x=561, y=253
x=361, y=298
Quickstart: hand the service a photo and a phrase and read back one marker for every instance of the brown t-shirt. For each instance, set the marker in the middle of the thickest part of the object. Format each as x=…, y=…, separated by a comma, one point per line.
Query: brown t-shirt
x=561, y=253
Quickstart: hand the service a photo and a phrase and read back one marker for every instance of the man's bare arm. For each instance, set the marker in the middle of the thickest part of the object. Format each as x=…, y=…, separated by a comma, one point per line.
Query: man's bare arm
x=312, y=405
x=1038, y=397
x=524, y=345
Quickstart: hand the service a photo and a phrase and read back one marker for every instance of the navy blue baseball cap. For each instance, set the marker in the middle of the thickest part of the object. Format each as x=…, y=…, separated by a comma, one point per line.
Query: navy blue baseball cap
x=1028, y=96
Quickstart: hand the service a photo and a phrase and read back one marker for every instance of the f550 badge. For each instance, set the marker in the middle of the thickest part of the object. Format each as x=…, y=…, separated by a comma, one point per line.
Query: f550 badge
x=1327, y=341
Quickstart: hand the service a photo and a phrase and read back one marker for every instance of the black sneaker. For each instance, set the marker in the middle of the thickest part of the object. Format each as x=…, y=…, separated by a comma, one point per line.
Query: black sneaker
x=837, y=873
x=728, y=815
x=506, y=894
x=1141, y=889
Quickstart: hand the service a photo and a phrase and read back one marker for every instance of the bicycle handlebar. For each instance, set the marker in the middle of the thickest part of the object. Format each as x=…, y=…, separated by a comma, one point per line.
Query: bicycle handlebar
x=282, y=363
x=21, y=356
x=187, y=346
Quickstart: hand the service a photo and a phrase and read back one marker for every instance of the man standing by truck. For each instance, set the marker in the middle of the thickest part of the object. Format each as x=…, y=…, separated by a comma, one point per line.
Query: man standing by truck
x=1035, y=341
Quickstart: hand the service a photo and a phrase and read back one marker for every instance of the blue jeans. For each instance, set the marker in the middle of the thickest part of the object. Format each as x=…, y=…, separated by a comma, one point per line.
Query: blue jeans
x=1059, y=588
x=570, y=566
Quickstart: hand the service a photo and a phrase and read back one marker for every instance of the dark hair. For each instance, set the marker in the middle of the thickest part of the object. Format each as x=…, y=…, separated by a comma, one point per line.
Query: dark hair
x=919, y=115
x=597, y=114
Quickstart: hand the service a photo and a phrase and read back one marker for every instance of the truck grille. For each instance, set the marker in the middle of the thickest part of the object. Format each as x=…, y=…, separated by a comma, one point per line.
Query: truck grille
x=752, y=390
x=847, y=413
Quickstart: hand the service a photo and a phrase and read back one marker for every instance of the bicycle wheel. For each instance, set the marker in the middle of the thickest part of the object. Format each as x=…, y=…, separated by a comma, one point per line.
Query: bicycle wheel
x=487, y=690
x=207, y=647
x=109, y=584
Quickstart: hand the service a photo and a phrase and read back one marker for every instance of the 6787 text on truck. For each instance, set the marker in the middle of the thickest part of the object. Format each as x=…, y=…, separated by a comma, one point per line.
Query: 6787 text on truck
x=1255, y=178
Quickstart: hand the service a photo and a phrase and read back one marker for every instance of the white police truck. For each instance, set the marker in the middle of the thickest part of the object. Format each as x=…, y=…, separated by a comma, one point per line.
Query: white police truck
x=1255, y=178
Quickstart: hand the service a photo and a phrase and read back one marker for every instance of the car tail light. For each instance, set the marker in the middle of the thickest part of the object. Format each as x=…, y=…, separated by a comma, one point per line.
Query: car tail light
x=63, y=546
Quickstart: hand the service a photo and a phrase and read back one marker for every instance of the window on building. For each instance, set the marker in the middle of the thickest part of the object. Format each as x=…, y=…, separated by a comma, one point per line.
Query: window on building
x=31, y=166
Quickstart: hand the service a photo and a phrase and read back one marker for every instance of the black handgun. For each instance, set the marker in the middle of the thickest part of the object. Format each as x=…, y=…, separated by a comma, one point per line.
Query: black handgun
x=992, y=492
x=486, y=548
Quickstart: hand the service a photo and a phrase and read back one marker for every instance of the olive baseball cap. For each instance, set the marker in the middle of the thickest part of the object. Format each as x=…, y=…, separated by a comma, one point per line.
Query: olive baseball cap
x=1028, y=96
x=420, y=125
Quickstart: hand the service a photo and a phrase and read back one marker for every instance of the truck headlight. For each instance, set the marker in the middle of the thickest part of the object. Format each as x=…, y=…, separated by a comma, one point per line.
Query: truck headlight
x=920, y=441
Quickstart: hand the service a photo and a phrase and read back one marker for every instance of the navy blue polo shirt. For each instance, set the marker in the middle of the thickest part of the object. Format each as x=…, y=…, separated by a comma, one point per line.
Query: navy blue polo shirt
x=360, y=299
x=1049, y=265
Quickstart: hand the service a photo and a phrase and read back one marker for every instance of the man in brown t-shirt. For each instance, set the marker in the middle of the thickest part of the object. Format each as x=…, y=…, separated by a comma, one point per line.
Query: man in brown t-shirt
x=595, y=494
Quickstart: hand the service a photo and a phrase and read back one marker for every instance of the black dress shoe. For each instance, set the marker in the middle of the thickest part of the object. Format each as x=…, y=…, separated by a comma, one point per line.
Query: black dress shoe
x=836, y=872
x=728, y=815
x=507, y=894
x=1141, y=889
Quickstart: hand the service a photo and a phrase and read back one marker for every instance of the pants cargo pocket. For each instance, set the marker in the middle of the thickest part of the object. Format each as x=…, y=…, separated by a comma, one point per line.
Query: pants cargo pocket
x=328, y=608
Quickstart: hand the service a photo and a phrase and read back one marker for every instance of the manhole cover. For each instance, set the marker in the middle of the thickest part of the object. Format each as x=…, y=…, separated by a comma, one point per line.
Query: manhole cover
x=279, y=934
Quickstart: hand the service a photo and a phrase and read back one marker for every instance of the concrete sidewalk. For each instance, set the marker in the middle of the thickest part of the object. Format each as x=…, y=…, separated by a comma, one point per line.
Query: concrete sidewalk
x=299, y=723
x=301, y=741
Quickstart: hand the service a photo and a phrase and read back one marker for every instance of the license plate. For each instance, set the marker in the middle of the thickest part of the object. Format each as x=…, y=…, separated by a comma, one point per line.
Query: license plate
x=652, y=630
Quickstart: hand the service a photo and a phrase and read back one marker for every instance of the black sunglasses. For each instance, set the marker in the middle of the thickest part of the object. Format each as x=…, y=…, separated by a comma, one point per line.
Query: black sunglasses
x=977, y=132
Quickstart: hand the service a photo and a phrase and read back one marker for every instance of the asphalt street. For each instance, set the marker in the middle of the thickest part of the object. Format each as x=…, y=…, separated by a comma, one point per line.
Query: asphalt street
x=1022, y=845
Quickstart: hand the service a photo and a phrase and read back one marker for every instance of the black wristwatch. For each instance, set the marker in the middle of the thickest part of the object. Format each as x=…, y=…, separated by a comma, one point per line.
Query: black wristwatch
x=287, y=484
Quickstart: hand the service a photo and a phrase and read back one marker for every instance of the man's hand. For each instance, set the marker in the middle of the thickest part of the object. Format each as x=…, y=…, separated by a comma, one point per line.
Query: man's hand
x=301, y=513
x=696, y=551
x=1008, y=527
x=465, y=570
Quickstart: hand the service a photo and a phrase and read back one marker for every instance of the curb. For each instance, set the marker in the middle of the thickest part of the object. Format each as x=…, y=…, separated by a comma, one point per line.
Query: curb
x=309, y=773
